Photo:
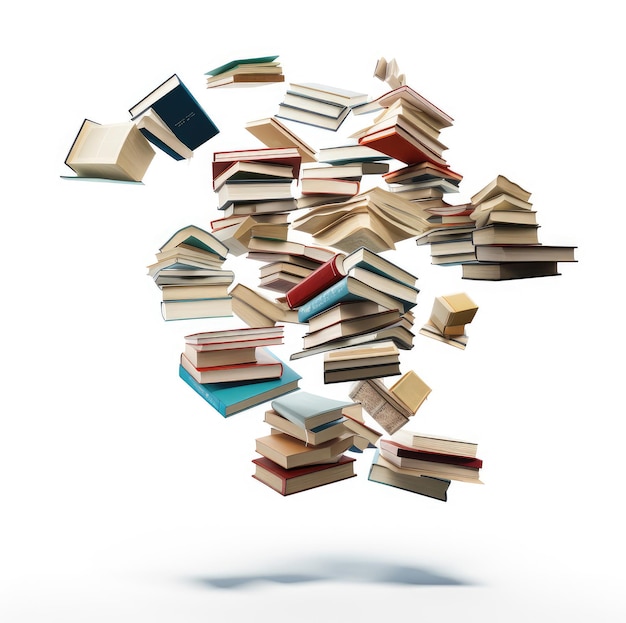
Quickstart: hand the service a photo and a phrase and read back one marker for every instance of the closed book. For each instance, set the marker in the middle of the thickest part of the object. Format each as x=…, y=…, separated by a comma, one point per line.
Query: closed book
x=273, y=133
x=308, y=117
x=379, y=353
x=290, y=452
x=321, y=278
x=309, y=410
x=318, y=434
x=506, y=234
x=265, y=366
x=329, y=93
x=253, y=170
x=358, y=373
x=198, y=238
x=290, y=247
x=501, y=271
x=286, y=156
x=219, y=357
x=440, y=118
x=402, y=450
x=295, y=480
x=524, y=253
x=342, y=311
x=498, y=186
x=225, y=338
x=436, y=443
x=384, y=472
x=238, y=190
x=157, y=132
x=186, y=309
x=348, y=289
x=329, y=186
x=180, y=111
x=313, y=104
x=230, y=398
x=411, y=390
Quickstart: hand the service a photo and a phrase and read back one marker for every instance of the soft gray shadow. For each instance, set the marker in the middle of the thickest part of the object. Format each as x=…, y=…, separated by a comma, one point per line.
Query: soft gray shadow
x=336, y=570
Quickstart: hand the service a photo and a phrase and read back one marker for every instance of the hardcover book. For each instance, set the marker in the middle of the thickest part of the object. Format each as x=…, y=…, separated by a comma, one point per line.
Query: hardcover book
x=309, y=410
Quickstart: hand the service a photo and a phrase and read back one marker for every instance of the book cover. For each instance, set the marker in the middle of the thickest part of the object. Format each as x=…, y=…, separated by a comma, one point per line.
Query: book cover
x=230, y=398
x=240, y=61
x=272, y=133
x=297, y=479
x=309, y=410
x=180, y=111
x=198, y=238
x=321, y=278
x=318, y=434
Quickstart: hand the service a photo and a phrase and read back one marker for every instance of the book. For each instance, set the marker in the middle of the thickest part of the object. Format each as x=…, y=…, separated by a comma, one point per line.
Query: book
x=343, y=311
x=290, y=247
x=348, y=289
x=241, y=62
x=362, y=429
x=184, y=252
x=245, y=300
x=401, y=145
x=500, y=184
x=328, y=93
x=309, y=410
x=329, y=186
x=356, y=373
x=390, y=446
x=316, y=281
x=349, y=153
x=506, y=234
x=289, y=452
x=295, y=480
x=286, y=156
x=178, y=260
x=430, y=330
x=313, y=104
x=524, y=253
x=194, y=291
x=400, y=334
x=265, y=366
x=348, y=170
x=397, y=289
x=268, y=75
x=502, y=271
x=502, y=201
x=436, y=443
x=253, y=170
x=508, y=217
x=452, y=310
x=402, y=110
x=237, y=236
x=180, y=111
x=315, y=119
x=352, y=326
x=233, y=337
x=405, y=92
x=279, y=281
x=318, y=434
x=285, y=267
x=411, y=390
x=157, y=132
x=197, y=238
x=423, y=171
x=361, y=355
x=230, y=398
x=272, y=133
x=256, y=208
x=219, y=356
x=193, y=276
x=186, y=309
x=114, y=151
x=384, y=472
x=241, y=191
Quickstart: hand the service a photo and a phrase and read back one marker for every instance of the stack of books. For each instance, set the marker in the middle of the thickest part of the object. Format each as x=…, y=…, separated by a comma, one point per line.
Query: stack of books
x=307, y=444
x=189, y=271
x=505, y=239
x=233, y=369
x=365, y=361
x=391, y=407
x=355, y=299
x=408, y=128
x=425, y=464
x=246, y=72
x=449, y=317
x=254, y=190
x=318, y=105
x=376, y=218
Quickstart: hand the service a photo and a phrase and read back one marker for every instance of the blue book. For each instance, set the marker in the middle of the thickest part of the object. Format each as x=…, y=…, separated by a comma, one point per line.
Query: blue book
x=230, y=398
x=309, y=411
x=349, y=289
x=180, y=111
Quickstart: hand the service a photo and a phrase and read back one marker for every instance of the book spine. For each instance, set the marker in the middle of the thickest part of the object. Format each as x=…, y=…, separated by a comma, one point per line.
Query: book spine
x=320, y=279
x=219, y=406
x=325, y=299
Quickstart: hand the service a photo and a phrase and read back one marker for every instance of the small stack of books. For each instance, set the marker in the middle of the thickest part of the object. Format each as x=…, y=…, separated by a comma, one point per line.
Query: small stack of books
x=246, y=72
x=365, y=361
x=505, y=239
x=424, y=464
x=376, y=218
x=408, y=128
x=307, y=443
x=318, y=105
x=233, y=369
x=355, y=299
x=449, y=316
x=391, y=407
x=189, y=271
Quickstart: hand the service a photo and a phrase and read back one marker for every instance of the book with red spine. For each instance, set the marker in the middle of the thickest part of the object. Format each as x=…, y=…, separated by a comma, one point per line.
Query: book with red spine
x=409, y=452
x=323, y=277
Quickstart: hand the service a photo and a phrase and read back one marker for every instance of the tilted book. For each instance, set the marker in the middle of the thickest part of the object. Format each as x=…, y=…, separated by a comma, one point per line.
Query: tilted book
x=309, y=410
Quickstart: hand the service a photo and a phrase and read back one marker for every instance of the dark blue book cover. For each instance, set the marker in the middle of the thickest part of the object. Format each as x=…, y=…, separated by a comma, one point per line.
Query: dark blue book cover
x=180, y=111
x=160, y=144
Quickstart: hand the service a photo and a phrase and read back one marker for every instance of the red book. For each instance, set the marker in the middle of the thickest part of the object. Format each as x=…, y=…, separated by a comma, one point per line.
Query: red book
x=399, y=144
x=327, y=274
x=296, y=479
x=412, y=453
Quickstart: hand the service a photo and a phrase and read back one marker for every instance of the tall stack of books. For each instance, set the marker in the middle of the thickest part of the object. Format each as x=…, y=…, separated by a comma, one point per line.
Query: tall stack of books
x=391, y=407
x=318, y=105
x=190, y=274
x=355, y=299
x=307, y=444
x=376, y=218
x=449, y=317
x=246, y=72
x=505, y=239
x=234, y=369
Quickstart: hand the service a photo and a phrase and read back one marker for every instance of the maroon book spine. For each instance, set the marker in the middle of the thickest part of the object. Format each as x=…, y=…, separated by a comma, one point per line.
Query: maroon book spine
x=327, y=274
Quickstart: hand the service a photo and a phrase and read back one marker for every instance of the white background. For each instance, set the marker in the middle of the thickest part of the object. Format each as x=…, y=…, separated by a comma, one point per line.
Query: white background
x=125, y=497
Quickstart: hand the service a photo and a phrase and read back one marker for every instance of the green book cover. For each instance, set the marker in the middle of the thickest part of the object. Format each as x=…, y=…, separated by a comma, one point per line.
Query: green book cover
x=240, y=61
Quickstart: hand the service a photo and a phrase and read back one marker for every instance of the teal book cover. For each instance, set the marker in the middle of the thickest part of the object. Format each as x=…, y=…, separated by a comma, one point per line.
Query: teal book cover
x=309, y=410
x=231, y=398
x=240, y=61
